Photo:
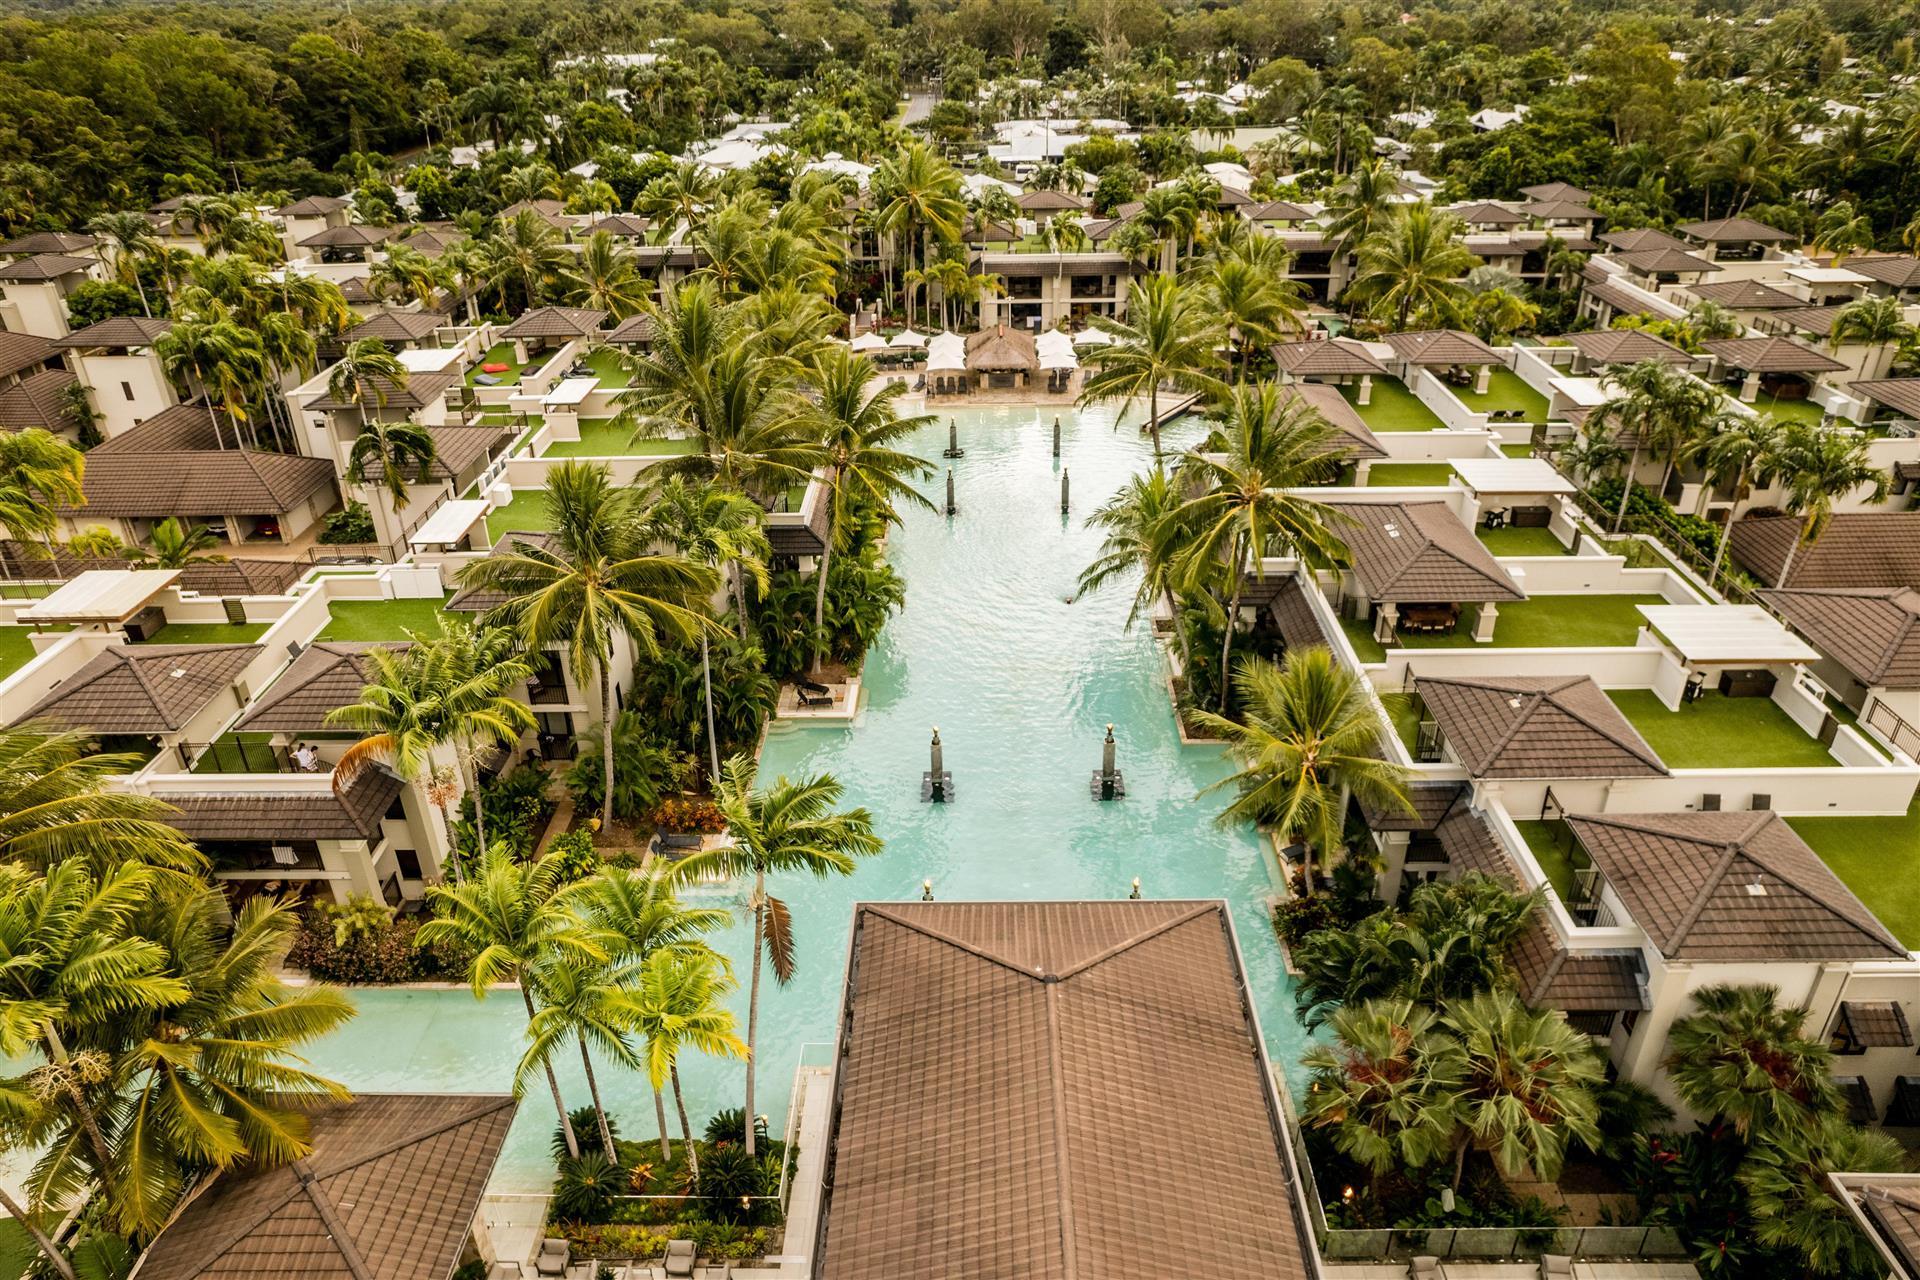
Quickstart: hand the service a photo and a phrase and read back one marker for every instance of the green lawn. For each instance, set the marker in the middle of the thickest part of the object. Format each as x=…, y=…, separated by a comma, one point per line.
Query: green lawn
x=209, y=633
x=1557, y=852
x=600, y=438
x=1523, y=542
x=1506, y=390
x=1410, y=473
x=1392, y=407
x=1522, y=450
x=1548, y=622
x=26, y=590
x=381, y=619
x=610, y=367
x=1789, y=410
x=1879, y=859
x=1360, y=636
x=16, y=649
x=527, y=512
x=498, y=353
x=1718, y=732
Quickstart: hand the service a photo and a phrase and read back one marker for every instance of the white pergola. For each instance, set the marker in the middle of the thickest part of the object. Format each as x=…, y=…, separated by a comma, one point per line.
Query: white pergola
x=450, y=522
x=100, y=597
x=1725, y=634
x=1501, y=476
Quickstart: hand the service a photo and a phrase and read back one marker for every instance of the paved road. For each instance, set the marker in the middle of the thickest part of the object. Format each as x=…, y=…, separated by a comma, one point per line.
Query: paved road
x=919, y=106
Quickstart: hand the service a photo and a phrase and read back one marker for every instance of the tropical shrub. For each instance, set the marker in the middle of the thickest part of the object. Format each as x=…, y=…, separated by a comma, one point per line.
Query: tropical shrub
x=577, y=857
x=1647, y=512
x=729, y=1176
x=586, y=1187
x=351, y=524
x=517, y=810
x=682, y=816
x=645, y=769
x=365, y=946
x=584, y=1120
x=729, y=1124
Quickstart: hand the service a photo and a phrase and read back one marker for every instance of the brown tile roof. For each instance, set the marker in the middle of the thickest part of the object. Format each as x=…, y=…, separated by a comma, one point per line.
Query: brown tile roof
x=941, y=1166
x=1602, y=287
x=1433, y=801
x=118, y=333
x=634, y=329
x=1902, y=271
x=1274, y=211
x=1552, y=977
x=397, y=327
x=1642, y=238
x=1537, y=727
x=1856, y=549
x=20, y=351
x=1470, y=846
x=205, y=813
x=1730, y=887
x=1771, y=355
x=1442, y=347
x=243, y=577
x=1565, y=210
x=1326, y=357
x=171, y=465
x=434, y=241
x=622, y=224
x=1746, y=295
x=327, y=675
x=794, y=538
x=357, y=291
x=35, y=243
x=1733, y=231
x=423, y=387
x=1891, y=1205
x=1555, y=191
x=556, y=322
x=1877, y=1024
x=973, y=231
x=457, y=448
x=1299, y=624
x=1420, y=552
x=1902, y=395
x=1873, y=633
x=551, y=212
x=1672, y=261
x=313, y=207
x=1001, y=349
x=1626, y=346
x=351, y=236
x=1356, y=440
x=1048, y=201
x=476, y=600
x=37, y=400
x=389, y=1192
x=1809, y=319
x=1487, y=213
x=44, y=266
x=144, y=688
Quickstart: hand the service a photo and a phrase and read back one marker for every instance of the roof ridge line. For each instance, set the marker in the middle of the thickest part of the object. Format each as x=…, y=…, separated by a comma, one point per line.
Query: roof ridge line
x=1534, y=698
x=1062, y=1162
x=415, y=1137
x=1129, y=944
x=147, y=686
x=1728, y=852
x=1608, y=734
x=972, y=949
x=330, y=1218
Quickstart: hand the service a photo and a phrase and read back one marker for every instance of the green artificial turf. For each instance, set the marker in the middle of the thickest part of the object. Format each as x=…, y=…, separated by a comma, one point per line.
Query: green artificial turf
x=16, y=648
x=498, y=353
x=1506, y=390
x=1392, y=407
x=381, y=619
x=526, y=512
x=208, y=633
x=1544, y=622
x=1410, y=473
x=1879, y=859
x=1722, y=733
x=1523, y=542
x=1557, y=853
x=600, y=438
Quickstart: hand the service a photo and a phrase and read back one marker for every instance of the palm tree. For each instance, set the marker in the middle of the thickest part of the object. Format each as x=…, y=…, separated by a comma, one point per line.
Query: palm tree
x=392, y=454
x=860, y=425
x=512, y=917
x=1793, y=1200
x=1876, y=322
x=1310, y=740
x=677, y=1005
x=39, y=473
x=790, y=826
x=1254, y=305
x=594, y=579
x=528, y=250
x=1171, y=215
x=1818, y=468
x=479, y=671
x=606, y=279
x=1744, y=448
x=581, y=999
x=916, y=196
x=58, y=802
x=177, y=544
x=1266, y=444
x=363, y=375
x=212, y=1079
x=1168, y=337
x=1143, y=537
x=718, y=527
x=1530, y=1084
x=1743, y=1058
x=410, y=273
x=1656, y=406
x=211, y=355
x=1387, y=1086
x=637, y=913
x=1413, y=266
x=676, y=198
x=1361, y=204
x=132, y=238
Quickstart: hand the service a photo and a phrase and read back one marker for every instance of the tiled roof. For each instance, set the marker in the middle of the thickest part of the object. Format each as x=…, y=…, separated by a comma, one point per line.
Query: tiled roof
x=1874, y=634
x=327, y=675
x=117, y=333
x=1856, y=549
x=298, y=813
x=1673, y=261
x=1299, y=624
x=434, y=241
x=1326, y=357
x=171, y=465
x=1569, y=210
x=1902, y=395
x=1470, y=846
x=243, y=577
x=1487, y=213
x=1000, y=350
x=1556, y=191
x=1891, y=1205
x=1047, y=201
x=1877, y=1024
x=22, y=351
x=556, y=322
x=1733, y=231
x=1420, y=552
x=1902, y=271
x=36, y=401
x=144, y=688
x=35, y=243
x=397, y=326
x=1552, y=977
x=351, y=236
x=551, y=212
x=634, y=329
x=357, y=291
x=1275, y=211
x=477, y=600
x=1007, y=1070
x=44, y=266
x=1433, y=800
x=808, y=538
x=622, y=224
x=1626, y=346
x=1771, y=355
x=1442, y=347
x=1746, y=295
x=1730, y=887
x=313, y=207
x=1355, y=440
x=457, y=448
x=389, y=1192
x=1536, y=727
x=1601, y=286
x=423, y=387
x=1642, y=238
x=1809, y=319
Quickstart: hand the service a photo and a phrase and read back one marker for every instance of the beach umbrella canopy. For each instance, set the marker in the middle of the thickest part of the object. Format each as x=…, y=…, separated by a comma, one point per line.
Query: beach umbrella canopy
x=869, y=341
x=1055, y=350
x=1092, y=338
x=908, y=338
x=946, y=351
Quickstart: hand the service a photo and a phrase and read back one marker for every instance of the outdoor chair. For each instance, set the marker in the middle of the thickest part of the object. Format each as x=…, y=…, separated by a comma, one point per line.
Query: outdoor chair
x=553, y=1258
x=1425, y=1267
x=678, y=1260
x=813, y=695
x=1556, y=1266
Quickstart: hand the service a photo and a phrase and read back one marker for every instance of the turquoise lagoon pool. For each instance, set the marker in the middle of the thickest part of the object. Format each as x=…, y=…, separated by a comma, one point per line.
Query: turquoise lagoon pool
x=1022, y=681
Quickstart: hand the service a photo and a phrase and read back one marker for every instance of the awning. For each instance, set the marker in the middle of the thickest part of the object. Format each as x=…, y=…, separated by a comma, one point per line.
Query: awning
x=1876, y=1024
x=449, y=523
x=908, y=338
x=869, y=341
x=569, y=393
x=1726, y=633
x=101, y=595
x=946, y=352
x=1091, y=337
x=1512, y=475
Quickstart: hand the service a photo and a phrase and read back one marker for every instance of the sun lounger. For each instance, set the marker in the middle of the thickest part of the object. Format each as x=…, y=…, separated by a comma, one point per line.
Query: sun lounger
x=813, y=695
x=678, y=1260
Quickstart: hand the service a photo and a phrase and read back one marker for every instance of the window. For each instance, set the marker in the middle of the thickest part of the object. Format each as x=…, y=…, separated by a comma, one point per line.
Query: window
x=408, y=861
x=1598, y=1023
x=1628, y=1019
x=126, y=389
x=396, y=812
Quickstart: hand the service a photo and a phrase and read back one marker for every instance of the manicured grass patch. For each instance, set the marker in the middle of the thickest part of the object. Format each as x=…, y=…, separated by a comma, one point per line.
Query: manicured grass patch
x=27, y=590
x=610, y=367
x=600, y=438
x=1409, y=473
x=16, y=648
x=1506, y=391
x=1806, y=411
x=526, y=512
x=1360, y=636
x=1549, y=622
x=1404, y=712
x=1392, y=407
x=1558, y=854
x=1523, y=542
x=498, y=353
x=1720, y=732
x=381, y=619
x=1522, y=450
x=1879, y=859
x=208, y=633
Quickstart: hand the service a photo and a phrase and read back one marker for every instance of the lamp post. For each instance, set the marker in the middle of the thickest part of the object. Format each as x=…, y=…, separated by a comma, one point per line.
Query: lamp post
x=950, y=507
x=1108, y=784
x=1063, y=491
x=1056, y=435
x=936, y=784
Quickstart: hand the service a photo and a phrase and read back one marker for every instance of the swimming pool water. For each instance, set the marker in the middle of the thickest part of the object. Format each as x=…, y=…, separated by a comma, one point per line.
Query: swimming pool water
x=1022, y=679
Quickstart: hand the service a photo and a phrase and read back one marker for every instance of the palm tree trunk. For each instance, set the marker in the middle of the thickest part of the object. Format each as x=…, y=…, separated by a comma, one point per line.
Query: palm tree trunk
x=1233, y=614
x=1153, y=420
x=1626, y=489
x=40, y=1238
x=706, y=680
x=1460, y=1159
x=820, y=596
x=206, y=398
x=57, y=1050
x=753, y=992
x=553, y=1083
x=740, y=602
x=453, y=841
x=479, y=817
x=686, y=1129
x=606, y=743
x=599, y=1110
x=660, y=1118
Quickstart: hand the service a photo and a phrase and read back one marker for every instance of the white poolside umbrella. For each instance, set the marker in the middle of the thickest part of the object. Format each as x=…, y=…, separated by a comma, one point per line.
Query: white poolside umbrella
x=1092, y=338
x=908, y=338
x=1055, y=350
x=869, y=341
x=946, y=352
